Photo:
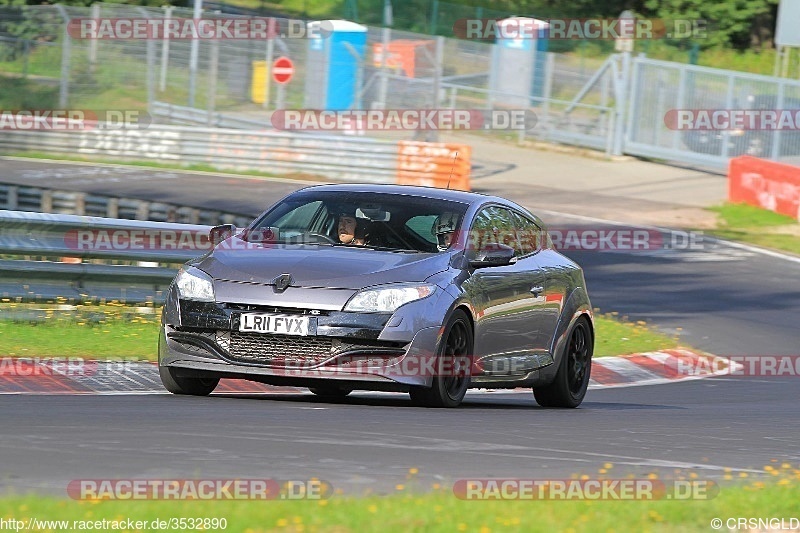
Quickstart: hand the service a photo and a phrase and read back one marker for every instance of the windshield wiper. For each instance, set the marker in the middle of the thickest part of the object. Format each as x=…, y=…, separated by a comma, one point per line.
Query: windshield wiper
x=388, y=249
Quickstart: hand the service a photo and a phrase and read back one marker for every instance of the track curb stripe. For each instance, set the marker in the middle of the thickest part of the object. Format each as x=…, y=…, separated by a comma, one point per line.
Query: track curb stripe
x=26, y=376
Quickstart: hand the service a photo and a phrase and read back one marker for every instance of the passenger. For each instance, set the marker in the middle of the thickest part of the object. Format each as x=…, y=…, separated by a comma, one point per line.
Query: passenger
x=444, y=228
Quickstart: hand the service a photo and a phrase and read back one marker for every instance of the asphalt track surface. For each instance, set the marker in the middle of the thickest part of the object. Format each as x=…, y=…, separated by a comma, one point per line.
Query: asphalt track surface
x=725, y=300
x=370, y=441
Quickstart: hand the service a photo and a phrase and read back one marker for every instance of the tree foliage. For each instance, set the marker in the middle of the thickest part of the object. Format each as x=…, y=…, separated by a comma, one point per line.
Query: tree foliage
x=740, y=24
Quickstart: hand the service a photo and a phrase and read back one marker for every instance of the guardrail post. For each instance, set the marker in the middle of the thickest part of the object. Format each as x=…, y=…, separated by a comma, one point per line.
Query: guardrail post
x=80, y=203
x=143, y=211
x=46, y=202
x=12, y=198
x=112, y=208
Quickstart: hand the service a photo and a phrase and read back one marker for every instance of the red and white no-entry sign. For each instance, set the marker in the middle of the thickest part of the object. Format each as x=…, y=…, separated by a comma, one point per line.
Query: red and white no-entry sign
x=282, y=70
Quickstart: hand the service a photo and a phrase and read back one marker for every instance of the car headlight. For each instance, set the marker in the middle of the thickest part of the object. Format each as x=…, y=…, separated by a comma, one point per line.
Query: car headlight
x=388, y=298
x=194, y=284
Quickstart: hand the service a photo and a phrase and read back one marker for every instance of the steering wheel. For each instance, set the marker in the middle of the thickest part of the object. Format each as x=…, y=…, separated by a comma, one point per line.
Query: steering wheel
x=321, y=237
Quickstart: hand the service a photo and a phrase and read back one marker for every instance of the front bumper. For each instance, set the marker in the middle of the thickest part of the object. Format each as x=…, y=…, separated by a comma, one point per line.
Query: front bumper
x=366, y=350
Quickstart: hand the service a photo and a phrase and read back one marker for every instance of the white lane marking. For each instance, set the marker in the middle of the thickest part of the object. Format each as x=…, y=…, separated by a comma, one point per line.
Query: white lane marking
x=716, y=254
x=741, y=246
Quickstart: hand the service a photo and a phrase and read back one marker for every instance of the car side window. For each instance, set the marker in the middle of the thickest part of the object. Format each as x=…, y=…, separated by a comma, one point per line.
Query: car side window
x=505, y=226
x=529, y=233
x=493, y=225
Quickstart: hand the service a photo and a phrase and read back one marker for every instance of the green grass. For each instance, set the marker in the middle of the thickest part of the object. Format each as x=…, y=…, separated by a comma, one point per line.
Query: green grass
x=19, y=93
x=747, y=223
x=200, y=167
x=618, y=336
x=117, y=332
x=92, y=331
x=438, y=510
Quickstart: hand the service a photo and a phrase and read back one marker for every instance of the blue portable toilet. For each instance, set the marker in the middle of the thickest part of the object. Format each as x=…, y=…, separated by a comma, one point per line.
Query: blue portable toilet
x=519, y=60
x=334, y=64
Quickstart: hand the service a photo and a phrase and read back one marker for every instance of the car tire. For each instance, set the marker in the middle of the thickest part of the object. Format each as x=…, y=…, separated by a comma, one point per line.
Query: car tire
x=183, y=385
x=448, y=391
x=326, y=392
x=572, y=379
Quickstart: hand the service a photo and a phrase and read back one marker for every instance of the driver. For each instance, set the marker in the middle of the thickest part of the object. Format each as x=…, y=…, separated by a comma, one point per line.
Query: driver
x=444, y=228
x=350, y=229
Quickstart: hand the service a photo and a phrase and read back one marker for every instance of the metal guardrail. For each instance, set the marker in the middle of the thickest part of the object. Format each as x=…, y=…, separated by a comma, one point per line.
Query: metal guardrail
x=336, y=157
x=192, y=116
x=28, y=198
x=71, y=240
x=27, y=233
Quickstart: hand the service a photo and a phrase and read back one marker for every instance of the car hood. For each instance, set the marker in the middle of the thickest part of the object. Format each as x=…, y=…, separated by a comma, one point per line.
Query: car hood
x=319, y=266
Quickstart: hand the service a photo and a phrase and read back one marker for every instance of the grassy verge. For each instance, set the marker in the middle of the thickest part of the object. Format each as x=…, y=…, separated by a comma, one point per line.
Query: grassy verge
x=618, y=336
x=160, y=165
x=746, y=223
x=110, y=331
x=114, y=331
x=439, y=510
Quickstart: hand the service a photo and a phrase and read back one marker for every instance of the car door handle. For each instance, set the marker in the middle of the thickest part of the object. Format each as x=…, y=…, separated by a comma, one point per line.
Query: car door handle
x=537, y=290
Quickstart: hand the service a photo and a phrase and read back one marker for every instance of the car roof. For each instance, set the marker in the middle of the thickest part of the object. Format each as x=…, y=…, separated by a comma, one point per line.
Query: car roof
x=410, y=190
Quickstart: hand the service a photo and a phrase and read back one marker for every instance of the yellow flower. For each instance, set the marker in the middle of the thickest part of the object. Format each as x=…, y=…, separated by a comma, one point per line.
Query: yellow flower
x=372, y=508
x=282, y=522
x=399, y=486
x=413, y=471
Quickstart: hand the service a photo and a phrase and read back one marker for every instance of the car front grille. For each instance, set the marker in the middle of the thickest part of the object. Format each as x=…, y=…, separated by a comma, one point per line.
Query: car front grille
x=274, y=350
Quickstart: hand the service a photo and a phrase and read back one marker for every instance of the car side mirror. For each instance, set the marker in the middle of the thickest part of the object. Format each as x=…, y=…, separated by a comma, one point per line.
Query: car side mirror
x=217, y=234
x=493, y=254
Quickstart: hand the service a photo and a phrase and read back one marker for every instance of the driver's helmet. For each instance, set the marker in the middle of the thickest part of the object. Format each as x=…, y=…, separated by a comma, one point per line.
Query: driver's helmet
x=444, y=224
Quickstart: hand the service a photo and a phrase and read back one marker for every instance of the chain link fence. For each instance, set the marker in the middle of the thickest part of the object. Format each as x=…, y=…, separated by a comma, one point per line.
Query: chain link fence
x=133, y=74
x=617, y=104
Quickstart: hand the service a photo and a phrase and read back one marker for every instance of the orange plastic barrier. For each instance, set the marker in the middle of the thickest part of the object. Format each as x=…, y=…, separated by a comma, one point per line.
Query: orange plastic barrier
x=767, y=184
x=413, y=56
x=434, y=164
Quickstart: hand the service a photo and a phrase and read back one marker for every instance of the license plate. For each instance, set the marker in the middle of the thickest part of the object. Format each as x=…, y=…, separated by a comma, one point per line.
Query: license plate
x=270, y=323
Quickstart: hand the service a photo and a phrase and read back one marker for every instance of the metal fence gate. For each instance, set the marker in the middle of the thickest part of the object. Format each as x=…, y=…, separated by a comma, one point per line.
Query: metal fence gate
x=661, y=89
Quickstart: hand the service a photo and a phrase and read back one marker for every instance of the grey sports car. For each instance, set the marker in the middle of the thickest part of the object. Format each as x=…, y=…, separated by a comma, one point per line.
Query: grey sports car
x=382, y=287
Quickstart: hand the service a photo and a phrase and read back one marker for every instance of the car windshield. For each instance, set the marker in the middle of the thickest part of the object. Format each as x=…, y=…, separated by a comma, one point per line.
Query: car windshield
x=382, y=221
